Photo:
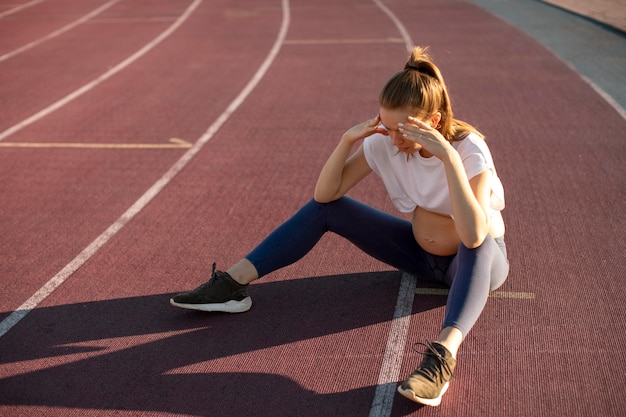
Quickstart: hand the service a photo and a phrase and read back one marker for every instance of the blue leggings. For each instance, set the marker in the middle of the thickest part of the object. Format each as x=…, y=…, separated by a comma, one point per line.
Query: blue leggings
x=470, y=274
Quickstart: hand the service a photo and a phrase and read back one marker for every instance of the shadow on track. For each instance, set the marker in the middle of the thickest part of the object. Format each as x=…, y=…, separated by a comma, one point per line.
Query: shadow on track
x=127, y=353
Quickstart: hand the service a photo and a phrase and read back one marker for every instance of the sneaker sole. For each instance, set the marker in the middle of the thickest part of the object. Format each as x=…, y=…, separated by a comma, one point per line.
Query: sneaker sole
x=231, y=306
x=433, y=402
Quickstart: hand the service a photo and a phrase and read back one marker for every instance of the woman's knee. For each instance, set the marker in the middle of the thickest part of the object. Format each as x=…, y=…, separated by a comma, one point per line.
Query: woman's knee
x=487, y=261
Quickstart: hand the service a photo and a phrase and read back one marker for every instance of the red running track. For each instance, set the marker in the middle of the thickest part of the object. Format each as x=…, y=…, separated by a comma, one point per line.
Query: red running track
x=106, y=341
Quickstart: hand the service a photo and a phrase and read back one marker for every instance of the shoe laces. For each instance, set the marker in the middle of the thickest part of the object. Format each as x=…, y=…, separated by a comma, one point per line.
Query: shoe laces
x=435, y=363
x=211, y=280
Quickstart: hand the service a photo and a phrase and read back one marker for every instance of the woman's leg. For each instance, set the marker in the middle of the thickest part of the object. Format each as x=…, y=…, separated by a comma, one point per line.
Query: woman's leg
x=471, y=276
x=381, y=235
x=473, y=273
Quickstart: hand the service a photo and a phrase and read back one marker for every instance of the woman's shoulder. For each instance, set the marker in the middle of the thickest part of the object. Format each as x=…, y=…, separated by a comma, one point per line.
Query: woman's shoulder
x=377, y=143
x=377, y=138
x=470, y=144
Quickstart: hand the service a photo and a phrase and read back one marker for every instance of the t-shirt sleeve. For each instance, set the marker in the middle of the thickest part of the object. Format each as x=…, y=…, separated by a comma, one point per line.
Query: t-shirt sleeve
x=474, y=164
x=372, y=148
x=476, y=159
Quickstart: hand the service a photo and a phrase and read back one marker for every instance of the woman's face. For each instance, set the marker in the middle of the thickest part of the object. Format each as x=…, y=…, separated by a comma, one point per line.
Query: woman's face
x=390, y=118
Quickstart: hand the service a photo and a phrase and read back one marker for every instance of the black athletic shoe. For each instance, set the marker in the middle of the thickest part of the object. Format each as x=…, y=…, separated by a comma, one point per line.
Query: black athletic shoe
x=220, y=293
x=427, y=384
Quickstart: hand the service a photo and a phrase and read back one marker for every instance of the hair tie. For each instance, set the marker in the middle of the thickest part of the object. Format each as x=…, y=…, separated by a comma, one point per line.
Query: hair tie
x=412, y=67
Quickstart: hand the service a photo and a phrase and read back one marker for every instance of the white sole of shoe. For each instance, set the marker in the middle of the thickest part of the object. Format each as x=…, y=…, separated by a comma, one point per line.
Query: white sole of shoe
x=433, y=402
x=231, y=306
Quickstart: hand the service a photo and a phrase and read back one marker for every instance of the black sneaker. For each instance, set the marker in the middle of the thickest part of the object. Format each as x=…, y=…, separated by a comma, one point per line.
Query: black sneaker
x=220, y=293
x=427, y=384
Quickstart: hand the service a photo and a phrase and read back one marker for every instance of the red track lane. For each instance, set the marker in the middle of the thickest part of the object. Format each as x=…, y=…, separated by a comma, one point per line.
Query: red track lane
x=107, y=342
x=39, y=20
x=40, y=76
x=85, y=190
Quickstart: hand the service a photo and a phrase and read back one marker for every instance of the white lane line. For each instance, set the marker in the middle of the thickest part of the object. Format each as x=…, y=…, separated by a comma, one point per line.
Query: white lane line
x=156, y=188
x=18, y=8
x=392, y=359
x=403, y=32
x=59, y=31
x=89, y=86
x=382, y=403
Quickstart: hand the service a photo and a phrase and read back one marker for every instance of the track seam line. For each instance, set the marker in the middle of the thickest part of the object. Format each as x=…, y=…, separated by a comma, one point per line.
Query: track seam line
x=493, y=294
x=382, y=403
x=156, y=188
x=89, y=86
x=342, y=41
x=174, y=143
x=58, y=32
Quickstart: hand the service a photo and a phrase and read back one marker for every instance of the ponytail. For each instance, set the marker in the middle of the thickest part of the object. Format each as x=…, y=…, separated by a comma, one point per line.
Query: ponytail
x=421, y=86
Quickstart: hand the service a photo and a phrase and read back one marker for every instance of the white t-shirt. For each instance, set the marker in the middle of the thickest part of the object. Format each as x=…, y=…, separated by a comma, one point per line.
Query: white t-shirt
x=418, y=181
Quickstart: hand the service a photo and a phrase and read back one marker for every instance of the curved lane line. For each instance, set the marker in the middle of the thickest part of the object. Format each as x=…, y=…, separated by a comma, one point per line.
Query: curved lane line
x=89, y=86
x=58, y=31
x=403, y=32
x=156, y=188
x=21, y=7
x=384, y=395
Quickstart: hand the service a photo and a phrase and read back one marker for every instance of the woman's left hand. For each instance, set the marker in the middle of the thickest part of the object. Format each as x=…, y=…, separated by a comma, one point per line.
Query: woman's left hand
x=431, y=140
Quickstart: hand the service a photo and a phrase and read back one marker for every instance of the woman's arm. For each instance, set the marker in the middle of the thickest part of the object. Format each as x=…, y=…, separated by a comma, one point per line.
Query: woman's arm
x=469, y=197
x=342, y=171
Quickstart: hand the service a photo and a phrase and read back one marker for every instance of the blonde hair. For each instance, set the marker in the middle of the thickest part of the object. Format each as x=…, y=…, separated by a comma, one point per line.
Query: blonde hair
x=420, y=86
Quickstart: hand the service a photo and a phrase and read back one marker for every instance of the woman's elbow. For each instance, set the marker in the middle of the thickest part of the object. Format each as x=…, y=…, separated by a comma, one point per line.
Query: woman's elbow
x=473, y=244
x=321, y=197
x=475, y=239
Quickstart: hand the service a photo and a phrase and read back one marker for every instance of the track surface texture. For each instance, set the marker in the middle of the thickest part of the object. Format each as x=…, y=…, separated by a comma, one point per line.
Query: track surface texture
x=142, y=140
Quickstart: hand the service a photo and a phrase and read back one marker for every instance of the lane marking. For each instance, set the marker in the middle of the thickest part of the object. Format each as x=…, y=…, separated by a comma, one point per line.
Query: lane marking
x=89, y=86
x=18, y=8
x=175, y=143
x=340, y=41
x=59, y=31
x=394, y=351
x=385, y=392
x=156, y=188
x=493, y=294
x=408, y=41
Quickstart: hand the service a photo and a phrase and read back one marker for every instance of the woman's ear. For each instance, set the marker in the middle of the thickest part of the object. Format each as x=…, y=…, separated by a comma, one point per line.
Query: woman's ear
x=435, y=119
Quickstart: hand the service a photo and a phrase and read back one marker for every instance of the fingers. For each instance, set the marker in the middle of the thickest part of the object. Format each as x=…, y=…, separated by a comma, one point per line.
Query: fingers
x=419, y=122
x=378, y=127
x=416, y=130
x=375, y=121
x=415, y=134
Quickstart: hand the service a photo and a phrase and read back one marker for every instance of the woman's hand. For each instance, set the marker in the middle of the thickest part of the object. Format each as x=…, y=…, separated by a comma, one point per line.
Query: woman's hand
x=431, y=140
x=363, y=130
x=342, y=170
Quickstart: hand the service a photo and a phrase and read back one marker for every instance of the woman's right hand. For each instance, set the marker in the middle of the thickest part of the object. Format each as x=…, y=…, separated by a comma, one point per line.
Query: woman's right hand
x=363, y=130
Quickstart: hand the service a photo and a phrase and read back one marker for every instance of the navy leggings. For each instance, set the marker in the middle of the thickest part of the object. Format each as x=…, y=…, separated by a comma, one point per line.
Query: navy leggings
x=470, y=274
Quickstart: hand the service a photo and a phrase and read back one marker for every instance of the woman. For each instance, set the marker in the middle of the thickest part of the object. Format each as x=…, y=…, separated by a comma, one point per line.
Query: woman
x=435, y=168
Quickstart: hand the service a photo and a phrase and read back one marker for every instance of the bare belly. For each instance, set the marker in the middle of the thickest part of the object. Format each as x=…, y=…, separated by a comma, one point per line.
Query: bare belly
x=436, y=233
